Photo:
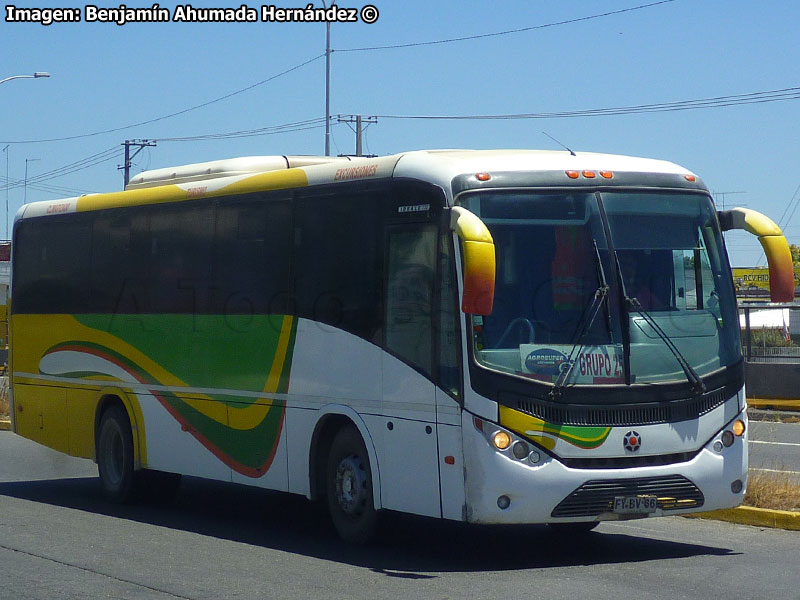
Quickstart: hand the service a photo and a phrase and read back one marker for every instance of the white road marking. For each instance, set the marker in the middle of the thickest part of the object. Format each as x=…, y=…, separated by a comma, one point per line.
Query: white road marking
x=776, y=471
x=775, y=443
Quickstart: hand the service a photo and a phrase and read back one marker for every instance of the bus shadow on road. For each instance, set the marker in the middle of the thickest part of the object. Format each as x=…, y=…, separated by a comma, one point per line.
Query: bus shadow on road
x=408, y=547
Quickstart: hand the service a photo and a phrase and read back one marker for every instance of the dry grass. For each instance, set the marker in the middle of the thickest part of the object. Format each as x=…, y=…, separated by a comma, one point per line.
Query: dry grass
x=777, y=491
x=4, y=398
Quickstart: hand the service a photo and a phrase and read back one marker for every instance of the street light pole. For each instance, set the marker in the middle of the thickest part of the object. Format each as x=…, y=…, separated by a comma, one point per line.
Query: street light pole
x=327, y=83
x=36, y=75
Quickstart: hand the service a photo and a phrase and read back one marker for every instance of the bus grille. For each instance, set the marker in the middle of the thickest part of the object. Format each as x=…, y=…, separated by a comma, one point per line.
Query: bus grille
x=597, y=497
x=627, y=462
x=617, y=415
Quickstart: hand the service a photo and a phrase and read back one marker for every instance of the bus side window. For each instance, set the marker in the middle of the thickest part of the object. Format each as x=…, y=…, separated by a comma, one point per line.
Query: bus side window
x=338, y=260
x=449, y=315
x=255, y=236
x=52, y=265
x=180, y=259
x=119, y=264
x=409, y=298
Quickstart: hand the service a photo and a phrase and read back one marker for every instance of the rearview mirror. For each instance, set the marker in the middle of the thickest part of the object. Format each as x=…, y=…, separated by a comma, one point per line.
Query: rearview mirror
x=776, y=249
x=479, y=261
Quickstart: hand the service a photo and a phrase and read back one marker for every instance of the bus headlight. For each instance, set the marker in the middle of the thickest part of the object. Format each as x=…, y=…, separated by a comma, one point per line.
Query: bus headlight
x=508, y=443
x=727, y=438
x=519, y=450
x=501, y=440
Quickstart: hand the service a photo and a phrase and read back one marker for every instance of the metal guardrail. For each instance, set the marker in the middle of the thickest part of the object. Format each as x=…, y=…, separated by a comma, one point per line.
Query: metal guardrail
x=770, y=339
x=764, y=318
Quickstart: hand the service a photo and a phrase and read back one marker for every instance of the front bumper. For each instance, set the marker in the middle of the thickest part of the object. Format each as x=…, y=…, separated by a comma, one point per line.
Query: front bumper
x=549, y=491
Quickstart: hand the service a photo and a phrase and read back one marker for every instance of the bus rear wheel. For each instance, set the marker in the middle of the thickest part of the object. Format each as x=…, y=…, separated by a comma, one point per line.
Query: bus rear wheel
x=115, y=455
x=349, y=488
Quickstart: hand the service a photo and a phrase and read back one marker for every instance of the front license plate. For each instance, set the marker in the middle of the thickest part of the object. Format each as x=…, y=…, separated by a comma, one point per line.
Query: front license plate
x=638, y=505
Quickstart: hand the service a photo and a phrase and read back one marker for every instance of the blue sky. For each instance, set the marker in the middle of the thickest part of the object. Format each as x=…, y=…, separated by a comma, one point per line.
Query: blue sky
x=107, y=77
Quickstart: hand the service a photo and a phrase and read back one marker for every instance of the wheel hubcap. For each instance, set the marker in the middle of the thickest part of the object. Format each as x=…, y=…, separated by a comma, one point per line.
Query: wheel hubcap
x=351, y=485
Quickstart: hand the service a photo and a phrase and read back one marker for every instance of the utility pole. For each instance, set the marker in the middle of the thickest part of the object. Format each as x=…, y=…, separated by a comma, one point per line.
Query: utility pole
x=25, y=183
x=328, y=82
x=142, y=144
x=360, y=128
x=8, y=184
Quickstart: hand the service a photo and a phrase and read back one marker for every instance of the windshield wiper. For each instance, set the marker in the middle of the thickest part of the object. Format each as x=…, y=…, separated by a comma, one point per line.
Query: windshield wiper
x=601, y=275
x=589, y=315
x=694, y=379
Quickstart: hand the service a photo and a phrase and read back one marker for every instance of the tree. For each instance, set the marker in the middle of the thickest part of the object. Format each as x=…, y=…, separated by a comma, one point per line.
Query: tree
x=795, y=250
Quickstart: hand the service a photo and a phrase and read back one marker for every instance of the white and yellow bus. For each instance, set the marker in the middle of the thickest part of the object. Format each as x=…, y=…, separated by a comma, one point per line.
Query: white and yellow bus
x=482, y=336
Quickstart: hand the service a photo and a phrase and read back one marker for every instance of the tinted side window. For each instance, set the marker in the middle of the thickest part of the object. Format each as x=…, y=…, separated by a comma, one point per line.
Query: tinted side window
x=251, y=257
x=409, y=297
x=338, y=266
x=119, y=263
x=51, y=265
x=449, y=314
x=181, y=239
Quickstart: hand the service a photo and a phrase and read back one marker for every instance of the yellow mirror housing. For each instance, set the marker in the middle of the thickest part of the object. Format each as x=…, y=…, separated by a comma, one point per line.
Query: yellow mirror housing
x=479, y=261
x=776, y=249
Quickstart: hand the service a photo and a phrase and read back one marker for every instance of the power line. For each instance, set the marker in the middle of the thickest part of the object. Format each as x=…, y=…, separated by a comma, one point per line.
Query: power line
x=311, y=60
x=270, y=130
x=792, y=93
x=781, y=224
x=60, y=190
x=168, y=116
x=788, y=206
x=508, y=31
x=79, y=165
x=796, y=204
x=715, y=102
x=114, y=152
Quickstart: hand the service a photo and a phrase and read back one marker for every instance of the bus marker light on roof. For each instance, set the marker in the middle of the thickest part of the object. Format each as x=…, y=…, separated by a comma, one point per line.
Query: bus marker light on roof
x=482, y=176
x=589, y=174
x=606, y=174
x=690, y=178
x=572, y=174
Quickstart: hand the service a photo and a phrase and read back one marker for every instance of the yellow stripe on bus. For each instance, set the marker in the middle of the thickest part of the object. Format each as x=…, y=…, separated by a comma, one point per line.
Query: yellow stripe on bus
x=248, y=417
x=164, y=194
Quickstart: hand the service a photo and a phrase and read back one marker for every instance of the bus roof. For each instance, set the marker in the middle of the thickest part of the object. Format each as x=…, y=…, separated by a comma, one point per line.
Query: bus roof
x=257, y=173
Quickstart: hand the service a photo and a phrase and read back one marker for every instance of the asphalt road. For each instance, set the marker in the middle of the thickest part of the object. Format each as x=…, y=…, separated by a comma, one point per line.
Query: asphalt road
x=59, y=539
x=775, y=447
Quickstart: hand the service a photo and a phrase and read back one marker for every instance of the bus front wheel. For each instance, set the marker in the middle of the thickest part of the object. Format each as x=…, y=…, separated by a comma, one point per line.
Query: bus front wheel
x=349, y=488
x=115, y=454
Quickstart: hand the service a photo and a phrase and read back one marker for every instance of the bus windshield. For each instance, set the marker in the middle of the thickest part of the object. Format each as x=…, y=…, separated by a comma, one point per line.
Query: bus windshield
x=629, y=287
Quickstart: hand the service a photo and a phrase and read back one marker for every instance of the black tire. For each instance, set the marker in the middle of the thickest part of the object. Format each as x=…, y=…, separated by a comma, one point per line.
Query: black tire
x=115, y=455
x=573, y=528
x=349, y=488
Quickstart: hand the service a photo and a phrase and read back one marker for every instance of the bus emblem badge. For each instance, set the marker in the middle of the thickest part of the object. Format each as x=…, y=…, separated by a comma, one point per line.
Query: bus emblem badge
x=632, y=441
